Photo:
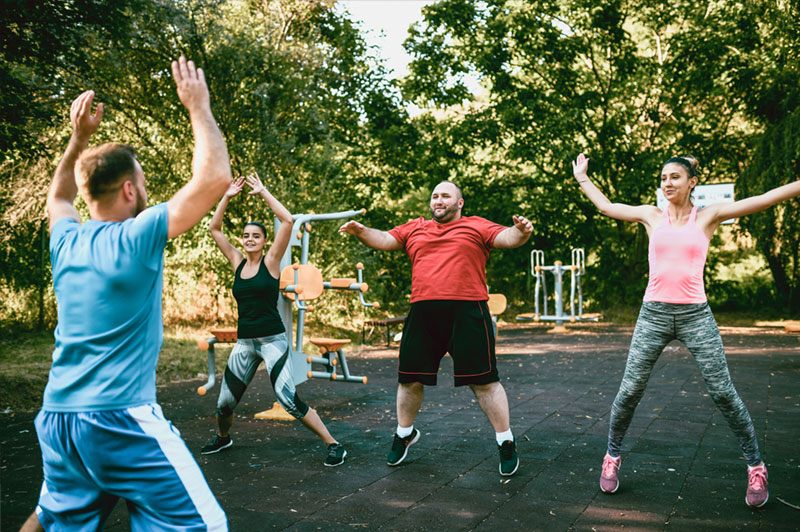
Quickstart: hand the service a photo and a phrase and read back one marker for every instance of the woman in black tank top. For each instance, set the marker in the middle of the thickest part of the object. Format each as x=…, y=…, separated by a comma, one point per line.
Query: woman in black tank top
x=261, y=334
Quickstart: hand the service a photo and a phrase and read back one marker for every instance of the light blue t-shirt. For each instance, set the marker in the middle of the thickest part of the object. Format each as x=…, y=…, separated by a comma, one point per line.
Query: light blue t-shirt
x=108, y=280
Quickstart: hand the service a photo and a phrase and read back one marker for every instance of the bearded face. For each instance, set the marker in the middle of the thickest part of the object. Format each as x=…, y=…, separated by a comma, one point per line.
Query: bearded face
x=446, y=203
x=141, y=202
x=444, y=214
x=141, y=192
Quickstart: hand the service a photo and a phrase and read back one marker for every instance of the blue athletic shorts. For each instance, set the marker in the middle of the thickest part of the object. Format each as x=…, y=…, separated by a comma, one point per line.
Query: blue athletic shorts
x=92, y=459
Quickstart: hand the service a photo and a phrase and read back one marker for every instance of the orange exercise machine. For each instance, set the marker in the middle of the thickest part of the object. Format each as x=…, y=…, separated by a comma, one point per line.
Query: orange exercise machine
x=301, y=283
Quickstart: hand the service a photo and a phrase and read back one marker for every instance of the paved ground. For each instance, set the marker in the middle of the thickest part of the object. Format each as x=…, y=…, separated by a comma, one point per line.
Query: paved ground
x=681, y=466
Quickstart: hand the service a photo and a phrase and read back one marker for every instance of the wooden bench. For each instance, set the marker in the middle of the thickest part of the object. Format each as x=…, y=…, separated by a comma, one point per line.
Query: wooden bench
x=386, y=322
x=497, y=305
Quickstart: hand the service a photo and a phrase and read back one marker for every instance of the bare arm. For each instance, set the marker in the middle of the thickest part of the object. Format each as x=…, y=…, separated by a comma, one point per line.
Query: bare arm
x=63, y=189
x=514, y=236
x=725, y=211
x=211, y=172
x=32, y=524
x=374, y=238
x=618, y=211
x=233, y=255
x=272, y=260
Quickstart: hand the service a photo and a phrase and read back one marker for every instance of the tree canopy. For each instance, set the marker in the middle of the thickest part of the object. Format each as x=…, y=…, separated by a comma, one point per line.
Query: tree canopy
x=302, y=101
x=630, y=83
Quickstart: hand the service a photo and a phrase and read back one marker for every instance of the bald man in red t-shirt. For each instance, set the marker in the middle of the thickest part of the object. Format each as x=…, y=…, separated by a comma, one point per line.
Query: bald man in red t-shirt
x=448, y=311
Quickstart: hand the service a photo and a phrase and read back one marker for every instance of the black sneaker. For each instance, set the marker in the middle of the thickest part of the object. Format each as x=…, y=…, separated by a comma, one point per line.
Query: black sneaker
x=400, y=447
x=509, y=459
x=216, y=445
x=336, y=454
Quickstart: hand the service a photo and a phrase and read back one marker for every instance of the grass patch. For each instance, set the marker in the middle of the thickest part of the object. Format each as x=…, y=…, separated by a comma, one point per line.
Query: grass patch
x=25, y=364
x=180, y=359
x=25, y=360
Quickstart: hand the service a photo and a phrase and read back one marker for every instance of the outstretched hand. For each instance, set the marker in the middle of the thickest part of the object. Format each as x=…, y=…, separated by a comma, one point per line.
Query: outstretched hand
x=352, y=228
x=84, y=123
x=522, y=224
x=235, y=188
x=580, y=167
x=191, y=85
x=255, y=183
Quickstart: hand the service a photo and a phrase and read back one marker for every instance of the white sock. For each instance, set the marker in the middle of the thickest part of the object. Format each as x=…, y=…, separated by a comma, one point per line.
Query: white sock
x=504, y=436
x=404, y=431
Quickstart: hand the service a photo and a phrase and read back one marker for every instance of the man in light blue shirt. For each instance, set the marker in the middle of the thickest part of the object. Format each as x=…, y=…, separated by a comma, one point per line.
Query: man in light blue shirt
x=103, y=436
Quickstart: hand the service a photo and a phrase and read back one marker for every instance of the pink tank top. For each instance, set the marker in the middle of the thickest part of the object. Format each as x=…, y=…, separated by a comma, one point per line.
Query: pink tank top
x=677, y=257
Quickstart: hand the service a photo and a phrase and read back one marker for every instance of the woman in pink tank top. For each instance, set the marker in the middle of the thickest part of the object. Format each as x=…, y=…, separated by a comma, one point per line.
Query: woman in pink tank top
x=675, y=307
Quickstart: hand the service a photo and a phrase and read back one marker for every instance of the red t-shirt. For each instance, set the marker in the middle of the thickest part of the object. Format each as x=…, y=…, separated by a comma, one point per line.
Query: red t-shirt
x=448, y=261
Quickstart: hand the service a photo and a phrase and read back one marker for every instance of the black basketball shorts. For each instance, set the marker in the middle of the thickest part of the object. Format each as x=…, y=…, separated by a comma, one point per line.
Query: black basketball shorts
x=461, y=328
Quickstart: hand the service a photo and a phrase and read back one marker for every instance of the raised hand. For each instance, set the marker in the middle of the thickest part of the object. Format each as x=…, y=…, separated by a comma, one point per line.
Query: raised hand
x=191, y=84
x=580, y=167
x=352, y=228
x=235, y=188
x=522, y=224
x=255, y=183
x=84, y=123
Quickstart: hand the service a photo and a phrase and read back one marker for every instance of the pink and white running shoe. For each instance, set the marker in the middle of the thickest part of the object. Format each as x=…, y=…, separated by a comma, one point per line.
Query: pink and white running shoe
x=609, y=479
x=757, y=487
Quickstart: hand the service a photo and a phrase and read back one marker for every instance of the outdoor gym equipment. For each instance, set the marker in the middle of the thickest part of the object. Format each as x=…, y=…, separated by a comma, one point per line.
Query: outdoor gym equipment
x=220, y=336
x=301, y=283
x=576, y=269
x=497, y=305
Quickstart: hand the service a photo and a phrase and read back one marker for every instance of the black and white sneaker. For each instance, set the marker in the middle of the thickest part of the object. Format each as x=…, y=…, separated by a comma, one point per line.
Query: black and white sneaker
x=217, y=444
x=509, y=459
x=400, y=447
x=336, y=455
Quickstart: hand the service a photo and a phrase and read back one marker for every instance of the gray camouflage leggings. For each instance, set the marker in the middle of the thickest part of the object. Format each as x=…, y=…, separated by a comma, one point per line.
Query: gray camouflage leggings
x=245, y=357
x=694, y=325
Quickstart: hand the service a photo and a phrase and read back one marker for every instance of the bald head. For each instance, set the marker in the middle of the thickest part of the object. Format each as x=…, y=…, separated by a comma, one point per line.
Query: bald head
x=451, y=187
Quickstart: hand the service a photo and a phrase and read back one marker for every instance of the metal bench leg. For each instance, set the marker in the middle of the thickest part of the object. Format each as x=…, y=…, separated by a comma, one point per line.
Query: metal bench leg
x=212, y=378
x=346, y=370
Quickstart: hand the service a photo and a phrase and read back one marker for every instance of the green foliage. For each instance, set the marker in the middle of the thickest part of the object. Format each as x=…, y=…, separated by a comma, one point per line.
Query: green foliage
x=773, y=99
x=41, y=45
x=776, y=162
x=744, y=284
x=302, y=102
x=293, y=89
x=628, y=82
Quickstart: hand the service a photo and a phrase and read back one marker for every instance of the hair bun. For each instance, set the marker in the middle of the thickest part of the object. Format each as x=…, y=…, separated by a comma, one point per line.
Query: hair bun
x=693, y=161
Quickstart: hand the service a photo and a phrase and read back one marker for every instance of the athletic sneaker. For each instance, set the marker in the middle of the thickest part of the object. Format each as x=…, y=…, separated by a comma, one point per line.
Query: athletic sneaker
x=609, y=479
x=509, y=458
x=757, y=491
x=400, y=448
x=336, y=454
x=217, y=444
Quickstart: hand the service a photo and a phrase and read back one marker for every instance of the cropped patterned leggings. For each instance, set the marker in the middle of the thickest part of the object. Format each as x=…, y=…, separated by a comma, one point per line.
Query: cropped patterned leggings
x=245, y=357
x=694, y=325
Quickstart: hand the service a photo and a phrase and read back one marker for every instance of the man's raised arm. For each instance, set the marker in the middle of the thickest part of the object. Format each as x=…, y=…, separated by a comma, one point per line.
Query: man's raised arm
x=514, y=236
x=63, y=189
x=374, y=238
x=211, y=170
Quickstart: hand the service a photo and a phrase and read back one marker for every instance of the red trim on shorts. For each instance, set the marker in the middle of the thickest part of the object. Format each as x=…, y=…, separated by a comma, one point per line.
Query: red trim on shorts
x=488, y=346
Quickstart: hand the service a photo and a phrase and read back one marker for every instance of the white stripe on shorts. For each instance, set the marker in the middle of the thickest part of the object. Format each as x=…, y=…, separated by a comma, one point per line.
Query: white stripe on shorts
x=151, y=420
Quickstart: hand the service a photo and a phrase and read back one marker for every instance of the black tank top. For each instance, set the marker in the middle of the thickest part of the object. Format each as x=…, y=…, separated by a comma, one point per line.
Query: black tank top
x=257, y=298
